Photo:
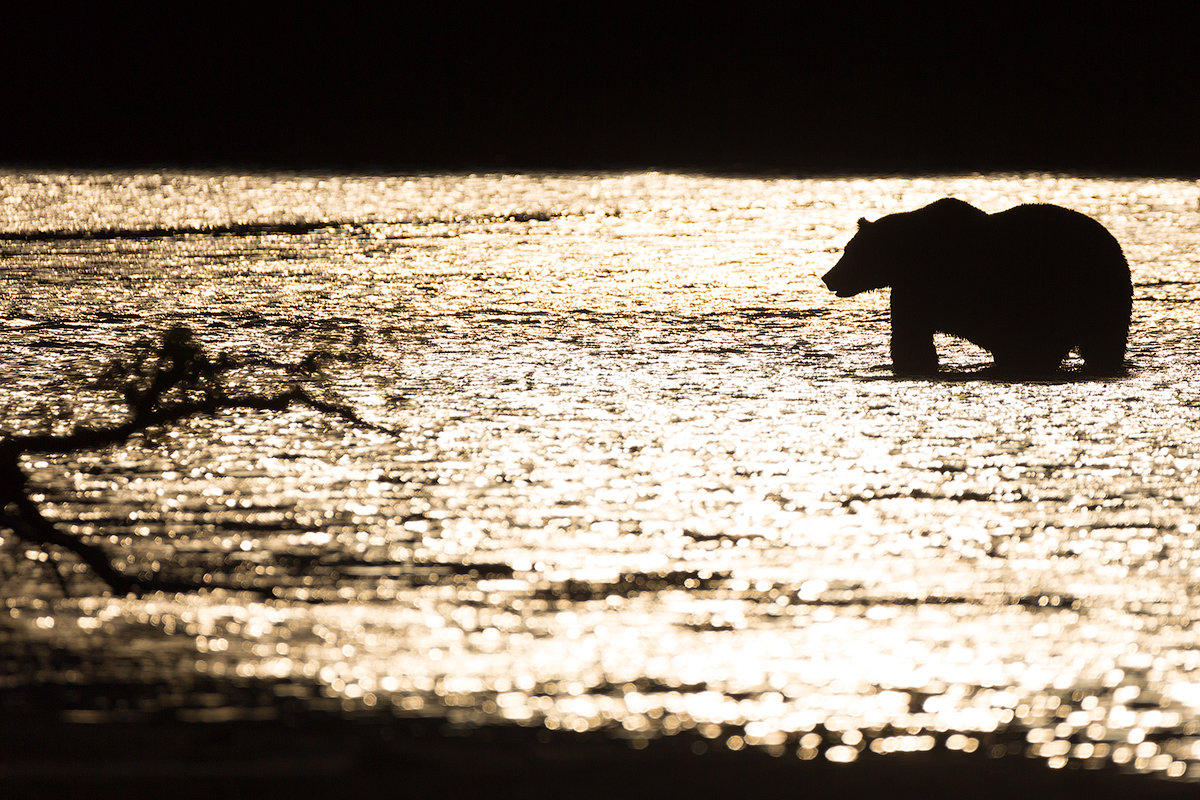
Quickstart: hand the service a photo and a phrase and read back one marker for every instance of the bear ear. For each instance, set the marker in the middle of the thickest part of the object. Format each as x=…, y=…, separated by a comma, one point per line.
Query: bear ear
x=863, y=222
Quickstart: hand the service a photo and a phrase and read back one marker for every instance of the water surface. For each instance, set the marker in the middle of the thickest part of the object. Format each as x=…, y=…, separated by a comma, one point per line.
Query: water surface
x=648, y=475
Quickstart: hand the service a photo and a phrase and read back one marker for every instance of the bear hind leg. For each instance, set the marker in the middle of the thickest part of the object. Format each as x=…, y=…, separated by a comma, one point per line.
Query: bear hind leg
x=1104, y=352
x=1103, y=333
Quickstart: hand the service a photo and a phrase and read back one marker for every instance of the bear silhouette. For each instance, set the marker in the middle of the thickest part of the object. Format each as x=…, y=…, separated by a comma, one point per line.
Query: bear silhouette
x=1027, y=284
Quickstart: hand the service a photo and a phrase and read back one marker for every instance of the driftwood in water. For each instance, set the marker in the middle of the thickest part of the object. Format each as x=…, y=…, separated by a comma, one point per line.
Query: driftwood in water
x=178, y=383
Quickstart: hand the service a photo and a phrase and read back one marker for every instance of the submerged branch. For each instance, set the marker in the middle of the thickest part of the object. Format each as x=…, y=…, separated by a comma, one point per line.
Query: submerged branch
x=183, y=383
x=86, y=438
x=22, y=516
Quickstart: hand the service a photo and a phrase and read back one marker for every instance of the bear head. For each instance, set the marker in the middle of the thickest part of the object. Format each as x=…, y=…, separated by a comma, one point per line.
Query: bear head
x=901, y=247
x=866, y=262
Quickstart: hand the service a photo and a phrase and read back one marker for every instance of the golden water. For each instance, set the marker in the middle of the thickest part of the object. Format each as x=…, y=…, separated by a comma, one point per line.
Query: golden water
x=649, y=476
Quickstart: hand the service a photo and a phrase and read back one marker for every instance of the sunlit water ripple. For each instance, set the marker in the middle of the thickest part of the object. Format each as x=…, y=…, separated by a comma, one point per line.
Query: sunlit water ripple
x=648, y=477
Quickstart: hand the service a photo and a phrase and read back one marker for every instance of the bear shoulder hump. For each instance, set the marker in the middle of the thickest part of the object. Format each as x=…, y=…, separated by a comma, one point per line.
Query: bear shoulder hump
x=952, y=208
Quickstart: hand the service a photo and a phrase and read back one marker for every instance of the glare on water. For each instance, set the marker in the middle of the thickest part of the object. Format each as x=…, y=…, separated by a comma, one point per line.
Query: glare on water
x=648, y=475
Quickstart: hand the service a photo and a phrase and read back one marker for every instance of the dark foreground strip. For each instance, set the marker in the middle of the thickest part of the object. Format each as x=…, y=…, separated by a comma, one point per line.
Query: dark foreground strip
x=240, y=229
x=250, y=228
x=325, y=755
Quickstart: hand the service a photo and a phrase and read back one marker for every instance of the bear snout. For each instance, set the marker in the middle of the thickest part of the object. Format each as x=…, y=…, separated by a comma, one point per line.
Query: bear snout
x=834, y=285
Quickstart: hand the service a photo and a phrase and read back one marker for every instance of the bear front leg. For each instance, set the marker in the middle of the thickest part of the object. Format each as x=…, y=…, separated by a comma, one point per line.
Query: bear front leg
x=913, y=352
